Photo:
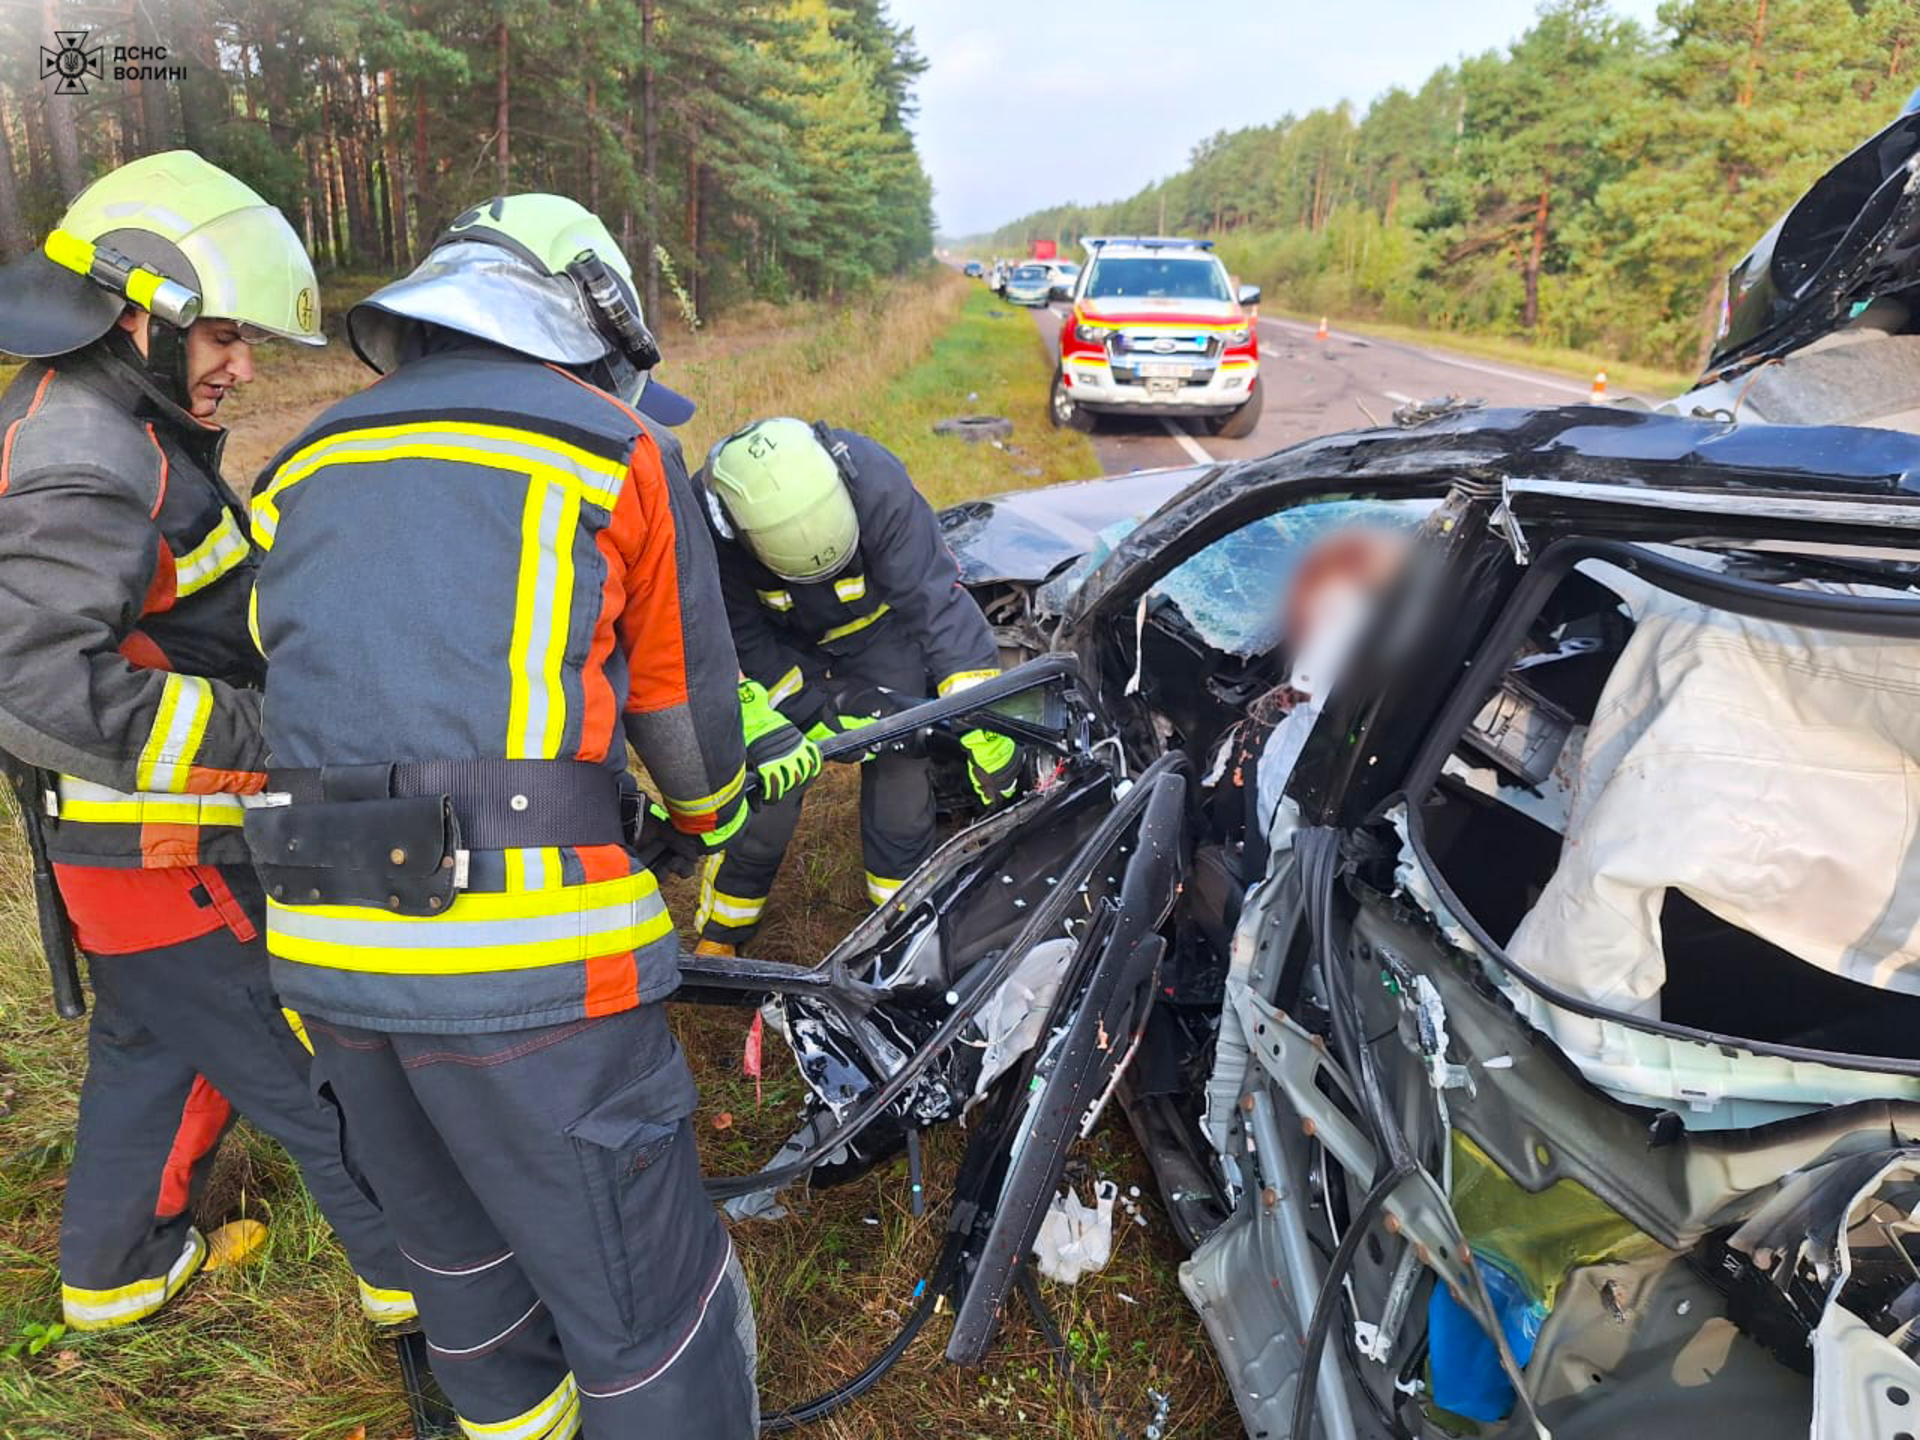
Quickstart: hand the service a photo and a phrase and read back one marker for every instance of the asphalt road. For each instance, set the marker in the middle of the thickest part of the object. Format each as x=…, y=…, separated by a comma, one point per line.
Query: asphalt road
x=1316, y=387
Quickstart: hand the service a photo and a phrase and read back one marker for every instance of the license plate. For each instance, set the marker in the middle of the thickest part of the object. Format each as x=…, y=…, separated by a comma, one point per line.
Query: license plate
x=1164, y=370
x=1168, y=388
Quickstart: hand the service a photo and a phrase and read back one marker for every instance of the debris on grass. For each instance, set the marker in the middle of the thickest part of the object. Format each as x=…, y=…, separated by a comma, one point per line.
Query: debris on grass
x=234, y=1243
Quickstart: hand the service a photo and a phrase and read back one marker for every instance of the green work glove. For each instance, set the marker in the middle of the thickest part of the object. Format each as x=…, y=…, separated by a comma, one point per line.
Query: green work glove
x=835, y=721
x=993, y=765
x=675, y=851
x=783, y=758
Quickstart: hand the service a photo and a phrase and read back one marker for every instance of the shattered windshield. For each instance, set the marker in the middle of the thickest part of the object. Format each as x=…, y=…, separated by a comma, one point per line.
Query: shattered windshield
x=1230, y=594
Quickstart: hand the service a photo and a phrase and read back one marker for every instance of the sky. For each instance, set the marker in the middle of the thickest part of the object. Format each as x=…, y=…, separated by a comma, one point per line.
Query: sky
x=1090, y=100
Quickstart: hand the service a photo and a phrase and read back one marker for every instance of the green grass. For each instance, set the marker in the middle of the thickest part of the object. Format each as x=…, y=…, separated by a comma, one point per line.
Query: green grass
x=275, y=1350
x=1624, y=377
x=989, y=362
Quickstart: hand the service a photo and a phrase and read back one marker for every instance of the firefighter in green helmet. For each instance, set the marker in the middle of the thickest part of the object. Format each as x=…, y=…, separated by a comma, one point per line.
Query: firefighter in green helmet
x=129, y=689
x=843, y=603
x=484, y=577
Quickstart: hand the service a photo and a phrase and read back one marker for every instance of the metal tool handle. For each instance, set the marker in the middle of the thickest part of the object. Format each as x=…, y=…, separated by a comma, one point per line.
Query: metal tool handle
x=56, y=932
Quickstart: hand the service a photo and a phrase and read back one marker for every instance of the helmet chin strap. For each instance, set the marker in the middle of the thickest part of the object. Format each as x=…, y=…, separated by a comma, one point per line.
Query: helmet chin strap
x=616, y=375
x=163, y=369
x=167, y=361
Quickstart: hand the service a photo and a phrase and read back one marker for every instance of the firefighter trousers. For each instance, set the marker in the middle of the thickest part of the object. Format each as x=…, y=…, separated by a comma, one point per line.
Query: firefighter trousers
x=181, y=1038
x=896, y=812
x=572, y=1276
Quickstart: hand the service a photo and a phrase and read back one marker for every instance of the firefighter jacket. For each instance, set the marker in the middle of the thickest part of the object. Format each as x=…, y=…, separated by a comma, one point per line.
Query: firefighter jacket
x=901, y=583
x=124, y=576
x=484, y=558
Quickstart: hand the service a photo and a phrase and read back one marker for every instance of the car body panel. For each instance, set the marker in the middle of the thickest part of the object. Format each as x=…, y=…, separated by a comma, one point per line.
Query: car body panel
x=1853, y=238
x=1028, y=535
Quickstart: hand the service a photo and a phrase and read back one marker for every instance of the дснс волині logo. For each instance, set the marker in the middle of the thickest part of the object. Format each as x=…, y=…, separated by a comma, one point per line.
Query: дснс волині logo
x=72, y=62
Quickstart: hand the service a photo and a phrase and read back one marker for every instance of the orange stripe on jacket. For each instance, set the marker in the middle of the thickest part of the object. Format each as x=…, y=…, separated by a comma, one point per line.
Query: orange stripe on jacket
x=650, y=627
x=161, y=591
x=599, y=705
x=6, y=448
x=160, y=498
x=143, y=652
x=163, y=845
x=613, y=981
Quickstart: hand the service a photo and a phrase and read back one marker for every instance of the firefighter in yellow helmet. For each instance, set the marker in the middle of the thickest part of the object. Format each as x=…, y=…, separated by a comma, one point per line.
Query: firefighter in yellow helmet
x=843, y=603
x=129, y=704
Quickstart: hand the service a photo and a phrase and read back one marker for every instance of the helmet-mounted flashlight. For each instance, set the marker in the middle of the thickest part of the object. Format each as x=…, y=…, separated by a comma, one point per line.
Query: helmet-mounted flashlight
x=617, y=320
x=166, y=299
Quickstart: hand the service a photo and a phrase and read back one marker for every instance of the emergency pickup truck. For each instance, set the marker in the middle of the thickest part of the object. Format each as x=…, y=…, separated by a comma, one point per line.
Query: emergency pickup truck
x=1158, y=329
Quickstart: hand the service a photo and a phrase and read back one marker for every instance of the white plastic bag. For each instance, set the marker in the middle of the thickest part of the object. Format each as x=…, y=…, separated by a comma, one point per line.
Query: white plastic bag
x=1076, y=1239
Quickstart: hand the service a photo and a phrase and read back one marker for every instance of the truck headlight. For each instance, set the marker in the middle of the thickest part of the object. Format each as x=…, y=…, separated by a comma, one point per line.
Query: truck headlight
x=1092, y=334
x=1239, y=337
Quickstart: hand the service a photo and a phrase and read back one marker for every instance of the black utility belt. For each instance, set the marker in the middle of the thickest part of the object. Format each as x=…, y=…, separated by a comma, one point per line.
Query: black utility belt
x=396, y=837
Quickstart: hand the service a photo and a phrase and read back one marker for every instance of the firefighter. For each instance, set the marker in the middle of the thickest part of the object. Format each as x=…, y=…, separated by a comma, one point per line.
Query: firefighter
x=128, y=676
x=843, y=603
x=484, y=576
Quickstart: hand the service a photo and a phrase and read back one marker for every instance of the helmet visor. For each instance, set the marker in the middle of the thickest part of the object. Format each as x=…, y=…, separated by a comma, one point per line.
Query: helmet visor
x=250, y=268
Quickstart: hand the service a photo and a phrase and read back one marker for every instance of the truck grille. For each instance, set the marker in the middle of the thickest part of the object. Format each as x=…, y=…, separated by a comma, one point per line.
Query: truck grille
x=1127, y=352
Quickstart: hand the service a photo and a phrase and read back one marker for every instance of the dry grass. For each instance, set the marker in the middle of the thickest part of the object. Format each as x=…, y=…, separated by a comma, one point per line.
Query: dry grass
x=275, y=1350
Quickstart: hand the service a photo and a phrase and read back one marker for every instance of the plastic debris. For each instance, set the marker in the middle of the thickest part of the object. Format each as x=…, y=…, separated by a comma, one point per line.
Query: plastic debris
x=761, y=1204
x=750, y=1057
x=1162, y=1408
x=1013, y=1019
x=234, y=1243
x=1076, y=1239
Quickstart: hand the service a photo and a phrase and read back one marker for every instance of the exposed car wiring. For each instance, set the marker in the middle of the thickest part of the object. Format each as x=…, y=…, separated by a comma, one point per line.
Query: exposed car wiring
x=993, y=1138
x=1319, y=850
x=818, y=1408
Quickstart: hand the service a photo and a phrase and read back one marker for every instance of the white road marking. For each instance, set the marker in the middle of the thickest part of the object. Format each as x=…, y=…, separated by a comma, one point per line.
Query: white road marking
x=1187, y=443
x=1397, y=397
x=1270, y=352
x=1564, y=386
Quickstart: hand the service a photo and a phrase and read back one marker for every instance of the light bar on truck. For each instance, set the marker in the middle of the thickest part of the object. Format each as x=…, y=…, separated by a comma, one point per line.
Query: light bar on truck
x=1146, y=242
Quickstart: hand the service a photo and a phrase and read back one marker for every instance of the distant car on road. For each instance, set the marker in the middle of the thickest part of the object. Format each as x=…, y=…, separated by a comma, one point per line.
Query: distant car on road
x=974, y=269
x=1158, y=329
x=1064, y=272
x=1030, y=284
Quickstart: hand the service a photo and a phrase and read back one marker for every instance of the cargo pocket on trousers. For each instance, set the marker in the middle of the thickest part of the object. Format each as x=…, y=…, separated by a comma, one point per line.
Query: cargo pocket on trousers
x=628, y=1148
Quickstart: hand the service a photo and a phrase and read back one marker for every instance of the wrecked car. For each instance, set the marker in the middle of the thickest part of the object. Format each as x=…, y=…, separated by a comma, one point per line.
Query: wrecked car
x=1532, y=1040
x=1478, y=859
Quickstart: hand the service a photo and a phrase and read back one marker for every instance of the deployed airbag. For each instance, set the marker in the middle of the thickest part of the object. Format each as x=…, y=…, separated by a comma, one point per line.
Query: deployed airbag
x=1768, y=772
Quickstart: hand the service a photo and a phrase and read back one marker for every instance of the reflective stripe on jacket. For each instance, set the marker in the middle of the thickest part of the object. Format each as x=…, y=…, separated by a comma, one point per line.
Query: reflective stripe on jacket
x=901, y=578
x=124, y=576
x=482, y=557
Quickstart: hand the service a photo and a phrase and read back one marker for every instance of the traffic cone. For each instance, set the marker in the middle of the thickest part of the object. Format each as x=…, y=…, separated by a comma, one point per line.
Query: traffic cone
x=1321, y=333
x=1599, y=387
